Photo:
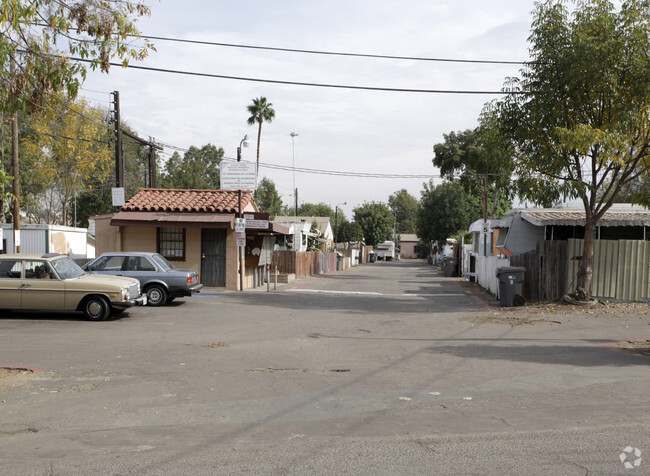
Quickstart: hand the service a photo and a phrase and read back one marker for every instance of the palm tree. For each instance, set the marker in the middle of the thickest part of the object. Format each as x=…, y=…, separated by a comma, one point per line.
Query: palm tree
x=260, y=111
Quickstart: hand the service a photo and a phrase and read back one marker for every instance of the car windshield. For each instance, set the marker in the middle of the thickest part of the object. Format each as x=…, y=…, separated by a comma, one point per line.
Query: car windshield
x=162, y=262
x=66, y=268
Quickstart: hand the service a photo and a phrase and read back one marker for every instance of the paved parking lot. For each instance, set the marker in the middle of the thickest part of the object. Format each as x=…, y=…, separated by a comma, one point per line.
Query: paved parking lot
x=385, y=369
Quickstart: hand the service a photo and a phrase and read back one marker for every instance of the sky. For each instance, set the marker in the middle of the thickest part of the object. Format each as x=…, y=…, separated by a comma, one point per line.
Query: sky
x=340, y=130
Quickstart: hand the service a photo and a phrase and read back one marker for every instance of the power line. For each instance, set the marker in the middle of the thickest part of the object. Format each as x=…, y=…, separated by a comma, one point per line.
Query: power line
x=298, y=83
x=339, y=172
x=330, y=53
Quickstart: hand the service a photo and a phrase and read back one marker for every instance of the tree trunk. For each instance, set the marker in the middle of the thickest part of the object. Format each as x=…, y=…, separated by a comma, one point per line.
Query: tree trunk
x=259, y=138
x=586, y=269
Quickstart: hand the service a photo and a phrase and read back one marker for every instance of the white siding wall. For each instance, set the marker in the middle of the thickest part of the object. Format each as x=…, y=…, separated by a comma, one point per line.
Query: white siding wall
x=43, y=238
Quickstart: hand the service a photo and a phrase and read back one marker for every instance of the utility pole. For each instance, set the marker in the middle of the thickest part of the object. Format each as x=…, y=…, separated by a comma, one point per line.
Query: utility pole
x=296, y=202
x=15, y=169
x=119, y=155
x=152, y=164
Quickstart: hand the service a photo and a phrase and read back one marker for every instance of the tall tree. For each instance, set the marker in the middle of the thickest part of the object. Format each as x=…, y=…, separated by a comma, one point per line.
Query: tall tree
x=63, y=147
x=32, y=33
x=405, y=208
x=317, y=210
x=349, y=231
x=267, y=198
x=377, y=222
x=581, y=123
x=260, y=111
x=481, y=156
x=445, y=210
x=196, y=169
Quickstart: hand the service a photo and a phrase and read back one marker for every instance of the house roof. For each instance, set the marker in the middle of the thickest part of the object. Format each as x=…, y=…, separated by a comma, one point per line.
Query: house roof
x=618, y=215
x=404, y=237
x=188, y=201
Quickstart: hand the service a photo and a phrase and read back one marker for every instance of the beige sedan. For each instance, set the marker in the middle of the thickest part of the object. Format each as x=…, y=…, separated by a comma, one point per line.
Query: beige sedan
x=53, y=282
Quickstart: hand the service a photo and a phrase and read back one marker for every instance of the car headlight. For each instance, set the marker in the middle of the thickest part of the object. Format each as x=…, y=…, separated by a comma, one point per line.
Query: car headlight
x=125, y=293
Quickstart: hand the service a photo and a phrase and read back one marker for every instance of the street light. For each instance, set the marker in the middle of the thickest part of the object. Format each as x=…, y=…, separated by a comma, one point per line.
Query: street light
x=336, y=222
x=293, y=153
x=243, y=143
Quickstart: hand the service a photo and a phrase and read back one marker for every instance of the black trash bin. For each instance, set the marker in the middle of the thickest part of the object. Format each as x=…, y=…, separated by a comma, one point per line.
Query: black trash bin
x=451, y=267
x=372, y=257
x=511, y=280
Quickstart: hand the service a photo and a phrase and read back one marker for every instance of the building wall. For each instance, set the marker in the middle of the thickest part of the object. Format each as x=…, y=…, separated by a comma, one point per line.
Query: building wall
x=107, y=237
x=407, y=249
x=138, y=239
x=44, y=238
x=112, y=238
x=523, y=236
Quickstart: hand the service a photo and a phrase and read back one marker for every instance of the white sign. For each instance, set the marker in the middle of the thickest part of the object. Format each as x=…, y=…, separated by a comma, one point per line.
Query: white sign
x=240, y=225
x=1, y=238
x=238, y=176
x=241, y=239
x=118, y=196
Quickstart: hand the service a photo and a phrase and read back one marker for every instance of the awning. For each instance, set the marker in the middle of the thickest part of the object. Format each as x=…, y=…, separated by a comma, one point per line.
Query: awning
x=174, y=219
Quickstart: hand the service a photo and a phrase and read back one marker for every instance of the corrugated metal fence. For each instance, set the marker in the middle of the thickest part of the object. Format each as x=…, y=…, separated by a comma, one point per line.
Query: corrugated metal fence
x=621, y=268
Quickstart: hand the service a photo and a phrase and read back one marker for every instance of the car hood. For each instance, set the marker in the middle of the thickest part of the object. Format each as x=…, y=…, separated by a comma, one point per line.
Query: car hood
x=105, y=279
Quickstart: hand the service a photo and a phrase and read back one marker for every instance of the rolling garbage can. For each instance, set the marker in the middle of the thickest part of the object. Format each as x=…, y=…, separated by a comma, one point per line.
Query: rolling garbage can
x=511, y=280
x=372, y=257
x=451, y=267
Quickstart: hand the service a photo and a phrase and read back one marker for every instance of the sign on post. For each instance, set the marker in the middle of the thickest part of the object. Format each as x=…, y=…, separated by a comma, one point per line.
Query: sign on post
x=118, y=196
x=238, y=176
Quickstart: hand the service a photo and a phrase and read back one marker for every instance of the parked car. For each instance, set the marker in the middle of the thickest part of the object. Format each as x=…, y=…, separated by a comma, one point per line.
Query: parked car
x=53, y=282
x=160, y=280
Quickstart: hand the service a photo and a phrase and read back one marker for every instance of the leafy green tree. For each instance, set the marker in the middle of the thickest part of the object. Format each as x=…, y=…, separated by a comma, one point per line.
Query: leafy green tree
x=405, y=208
x=267, y=198
x=482, y=157
x=197, y=169
x=580, y=126
x=62, y=149
x=317, y=210
x=445, y=210
x=32, y=34
x=349, y=231
x=376, y=220
x=260, y=111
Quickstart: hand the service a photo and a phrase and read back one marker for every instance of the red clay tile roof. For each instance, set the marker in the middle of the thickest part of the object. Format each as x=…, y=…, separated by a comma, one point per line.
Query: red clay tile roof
x=189, y=201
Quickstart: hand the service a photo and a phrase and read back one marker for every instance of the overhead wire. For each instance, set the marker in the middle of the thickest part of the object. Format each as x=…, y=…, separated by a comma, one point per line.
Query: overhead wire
x=331, y=53
x=301, y=83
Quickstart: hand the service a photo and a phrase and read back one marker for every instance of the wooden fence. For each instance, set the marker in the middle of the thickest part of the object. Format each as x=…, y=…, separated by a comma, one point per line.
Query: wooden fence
x=545, y=276
x=302, y=264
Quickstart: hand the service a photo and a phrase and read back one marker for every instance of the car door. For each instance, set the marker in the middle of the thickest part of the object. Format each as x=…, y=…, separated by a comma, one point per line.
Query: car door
x=10, y=283
x=40, y=287
x=140, y=268
x=112, y=265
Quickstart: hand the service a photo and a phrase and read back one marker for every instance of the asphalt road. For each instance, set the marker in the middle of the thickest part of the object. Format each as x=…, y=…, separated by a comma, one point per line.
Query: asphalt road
x=387, y=368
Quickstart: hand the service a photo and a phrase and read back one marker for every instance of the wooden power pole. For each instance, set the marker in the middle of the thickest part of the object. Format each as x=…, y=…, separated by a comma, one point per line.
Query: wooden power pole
x=15, y=170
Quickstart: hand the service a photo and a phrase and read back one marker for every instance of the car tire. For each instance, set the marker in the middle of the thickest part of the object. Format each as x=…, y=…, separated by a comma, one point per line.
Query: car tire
x=96, y=308
x=156, y=295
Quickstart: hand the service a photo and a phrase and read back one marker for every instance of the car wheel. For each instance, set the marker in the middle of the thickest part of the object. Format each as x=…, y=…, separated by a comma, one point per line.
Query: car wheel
x=96, y=308
x=156, y=295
